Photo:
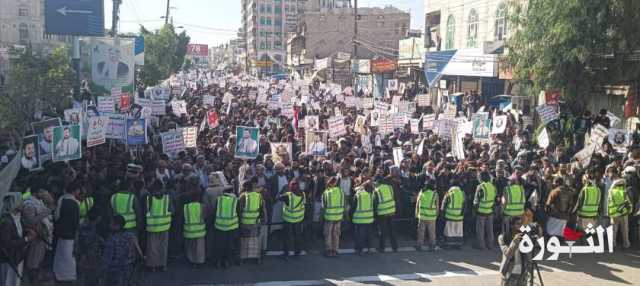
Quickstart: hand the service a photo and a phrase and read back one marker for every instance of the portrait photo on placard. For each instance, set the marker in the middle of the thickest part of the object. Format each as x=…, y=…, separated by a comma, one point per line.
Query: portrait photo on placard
x=30, y=159
x=44, y=131
x=316, y=143
x=67, y=144
x=247, y=142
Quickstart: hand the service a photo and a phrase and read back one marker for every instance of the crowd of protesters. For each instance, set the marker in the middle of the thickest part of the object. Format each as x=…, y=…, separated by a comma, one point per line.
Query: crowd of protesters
x=93, y=219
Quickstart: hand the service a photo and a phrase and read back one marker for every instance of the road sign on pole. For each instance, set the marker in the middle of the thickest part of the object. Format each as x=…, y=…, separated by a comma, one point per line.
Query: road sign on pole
x=74, y=17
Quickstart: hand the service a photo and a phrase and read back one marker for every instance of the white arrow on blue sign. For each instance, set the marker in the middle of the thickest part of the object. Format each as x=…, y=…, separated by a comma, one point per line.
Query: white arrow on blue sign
x=74, y=17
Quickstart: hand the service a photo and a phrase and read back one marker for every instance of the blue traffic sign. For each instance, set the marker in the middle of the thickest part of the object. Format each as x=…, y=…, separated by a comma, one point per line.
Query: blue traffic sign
x=74, y=17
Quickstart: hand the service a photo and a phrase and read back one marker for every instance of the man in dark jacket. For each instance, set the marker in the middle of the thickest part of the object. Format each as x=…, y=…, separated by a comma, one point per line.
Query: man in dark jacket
x=13, y=241
x=67, y=221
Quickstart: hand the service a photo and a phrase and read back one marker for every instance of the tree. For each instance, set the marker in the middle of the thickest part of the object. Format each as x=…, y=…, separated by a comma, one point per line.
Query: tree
x=37, y=82
x=576, y=46
x=164, y=54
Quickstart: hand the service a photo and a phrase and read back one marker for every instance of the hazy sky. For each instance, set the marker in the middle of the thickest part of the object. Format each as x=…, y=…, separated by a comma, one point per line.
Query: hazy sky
x=215, y=21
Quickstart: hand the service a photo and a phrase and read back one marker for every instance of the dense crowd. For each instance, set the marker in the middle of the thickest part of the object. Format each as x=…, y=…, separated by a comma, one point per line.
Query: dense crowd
x=93, y=219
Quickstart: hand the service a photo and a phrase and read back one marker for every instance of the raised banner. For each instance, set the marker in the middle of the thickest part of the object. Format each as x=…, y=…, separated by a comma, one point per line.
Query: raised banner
x=96, y=134
x=106, y=104
x=190, y=136
x=172, y=142
x=336, y=127
x=547, y=113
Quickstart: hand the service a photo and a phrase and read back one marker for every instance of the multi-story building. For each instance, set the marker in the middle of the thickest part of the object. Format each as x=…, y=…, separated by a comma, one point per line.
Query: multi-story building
x=464, y=39
x=267, y=23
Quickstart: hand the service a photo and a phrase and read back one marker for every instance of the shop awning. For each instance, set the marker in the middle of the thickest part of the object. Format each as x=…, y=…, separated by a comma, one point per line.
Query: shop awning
x=435, y=62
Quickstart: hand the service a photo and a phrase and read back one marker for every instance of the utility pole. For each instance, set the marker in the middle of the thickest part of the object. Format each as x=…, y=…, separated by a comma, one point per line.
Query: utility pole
x=355, y=44
x=166, y=16
x=115, y=17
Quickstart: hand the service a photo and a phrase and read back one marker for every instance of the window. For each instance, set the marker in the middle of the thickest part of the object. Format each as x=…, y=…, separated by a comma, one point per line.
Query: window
x=24, y=33
x=501, y=22
x=23, y=12
x=278, y=22
x=262, y=9
x=262, y=45
x=472, y=32
x=268, y=8
x=278, y=10
x=451, y=33
x=268, y=22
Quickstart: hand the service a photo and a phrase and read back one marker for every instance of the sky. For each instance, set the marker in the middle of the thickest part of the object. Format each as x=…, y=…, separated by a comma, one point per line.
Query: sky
x=215, y=22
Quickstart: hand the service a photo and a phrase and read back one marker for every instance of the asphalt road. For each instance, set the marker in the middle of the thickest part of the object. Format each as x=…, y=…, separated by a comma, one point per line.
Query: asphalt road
x=407, y=267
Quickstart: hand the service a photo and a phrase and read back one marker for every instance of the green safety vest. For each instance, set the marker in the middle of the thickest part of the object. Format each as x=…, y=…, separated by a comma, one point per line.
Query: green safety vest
x=454, y=206
x=251, y=211
x=158, y=215
x=485, y=206
x=122, y=204
x=427, y=206
x=364, y=210
x=617, y=199
x=515, y=201
x=26, y=195
x=226, y=214
x=334, y=208
x=386, y=201
x=85, y=207
x=293, y=212
x=590, y=202
x=194, y=226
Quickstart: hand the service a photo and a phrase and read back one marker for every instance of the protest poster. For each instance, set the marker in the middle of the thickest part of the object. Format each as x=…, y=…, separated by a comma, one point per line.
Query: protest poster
x=584, y=155
x=190, y=136
x=262, y=98
x=212, y=119
x=465, y=128
x=116, y=92
x=392, y=85
x=337, y=111
x=398, y=120
x=112, y=65
x=158, y=107
x=386, y=125
x=428, y=121
x=73, y=116
x=481, y=128
x=457, y=145
x=286, y=109
x=106, y=104
x=172, y=142
x=423, y=100
x=376, y=115
x=366, y=102
x=598, y=134
x=398, y=156
x=30, y=159
x=44, y=131
x=274, y=103
x=96, y=133
x=115, y=127
x=247, y=146
x=381, y=106
x=543, y=139
x=444, y=128
x=359, y=125
x=311, y=122
x=336, y=126
x=415, y=125
x=125, y=102
x=179, y=107
x=136, y=131
x=401, y=88
x=499, y=124
x=66, y=142
x=316, y=143
x=620, y=139
x=281, y=152
x=158, y=93
x=253, y=94
x=350, y=101
x=208, y=100
x=547, y=113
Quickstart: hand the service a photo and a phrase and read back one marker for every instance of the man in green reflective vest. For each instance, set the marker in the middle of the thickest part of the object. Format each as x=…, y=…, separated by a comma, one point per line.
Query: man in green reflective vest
x=453, y=207
x=512, y=201
x=588, y=204
x=293, y=216
x=483, y=202
x=158, y=209
x=226, y=226
x=426, y=212
x=86, y=204
x=333, y=205
x=362, y=214
x=385, y=208
x=124, y=203
x=252, y=213
x=194, y=231
x=619, y=209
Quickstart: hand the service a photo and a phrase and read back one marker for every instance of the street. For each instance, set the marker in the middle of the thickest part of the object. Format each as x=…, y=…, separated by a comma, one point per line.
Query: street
x=407, y=267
